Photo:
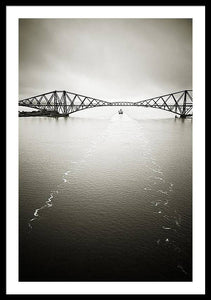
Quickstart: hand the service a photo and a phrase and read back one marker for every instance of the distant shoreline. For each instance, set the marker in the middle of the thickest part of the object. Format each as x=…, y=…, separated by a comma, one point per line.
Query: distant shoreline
x=40, y=114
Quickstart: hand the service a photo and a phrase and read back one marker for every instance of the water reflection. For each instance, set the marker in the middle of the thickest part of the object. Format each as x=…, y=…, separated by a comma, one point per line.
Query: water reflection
x=113, y=199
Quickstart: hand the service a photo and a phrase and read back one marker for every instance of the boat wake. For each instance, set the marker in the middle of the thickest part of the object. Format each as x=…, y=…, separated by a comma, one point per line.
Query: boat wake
x=49, y=202
x=169, y=219
x=159, y=188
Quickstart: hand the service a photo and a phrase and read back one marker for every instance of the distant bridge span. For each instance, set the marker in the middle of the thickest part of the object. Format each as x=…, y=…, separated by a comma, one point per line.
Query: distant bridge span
x=65, y=103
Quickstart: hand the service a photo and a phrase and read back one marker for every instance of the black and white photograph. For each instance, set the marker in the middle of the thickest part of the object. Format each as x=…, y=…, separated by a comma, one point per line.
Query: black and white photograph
x=105, y=114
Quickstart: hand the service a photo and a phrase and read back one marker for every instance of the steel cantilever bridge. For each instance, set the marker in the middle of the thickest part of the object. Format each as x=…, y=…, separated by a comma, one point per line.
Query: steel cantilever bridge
x=65, y=103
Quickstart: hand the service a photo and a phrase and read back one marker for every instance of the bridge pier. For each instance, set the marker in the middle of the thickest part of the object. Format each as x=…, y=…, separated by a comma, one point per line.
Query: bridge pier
x=186, y=116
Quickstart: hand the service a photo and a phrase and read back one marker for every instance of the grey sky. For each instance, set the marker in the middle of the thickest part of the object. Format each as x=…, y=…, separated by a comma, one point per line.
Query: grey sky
x=111, y=59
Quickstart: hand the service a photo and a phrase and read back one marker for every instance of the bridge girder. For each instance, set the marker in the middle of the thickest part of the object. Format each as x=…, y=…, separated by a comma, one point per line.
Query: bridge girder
x=66, y=103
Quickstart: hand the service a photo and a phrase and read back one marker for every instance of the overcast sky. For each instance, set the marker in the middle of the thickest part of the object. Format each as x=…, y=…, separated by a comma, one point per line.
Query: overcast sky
x=110, y=59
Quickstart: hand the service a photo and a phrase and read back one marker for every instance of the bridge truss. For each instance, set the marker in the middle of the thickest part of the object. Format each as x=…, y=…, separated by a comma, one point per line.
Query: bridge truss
x=65, y=103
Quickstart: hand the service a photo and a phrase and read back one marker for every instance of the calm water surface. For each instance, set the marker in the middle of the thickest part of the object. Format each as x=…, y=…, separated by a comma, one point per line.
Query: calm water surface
x=105, y=199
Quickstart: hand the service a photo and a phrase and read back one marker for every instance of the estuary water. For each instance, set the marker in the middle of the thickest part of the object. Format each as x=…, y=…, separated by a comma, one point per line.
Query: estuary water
x=105, y=199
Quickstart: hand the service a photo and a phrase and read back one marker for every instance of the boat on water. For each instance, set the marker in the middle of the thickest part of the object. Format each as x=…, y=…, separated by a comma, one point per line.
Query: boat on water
x=120, y=111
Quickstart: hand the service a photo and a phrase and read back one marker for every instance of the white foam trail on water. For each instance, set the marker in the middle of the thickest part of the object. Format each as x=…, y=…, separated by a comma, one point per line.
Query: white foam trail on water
x=147, y=189
x=157, y=171
x=156, y=203
x=67, y=172
x=163, y=192
x=36, y=212
x=32, y=220
x=177, y=219
x=159, y=178
x=157, y=212
x=166, y=228
x=48, y=204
